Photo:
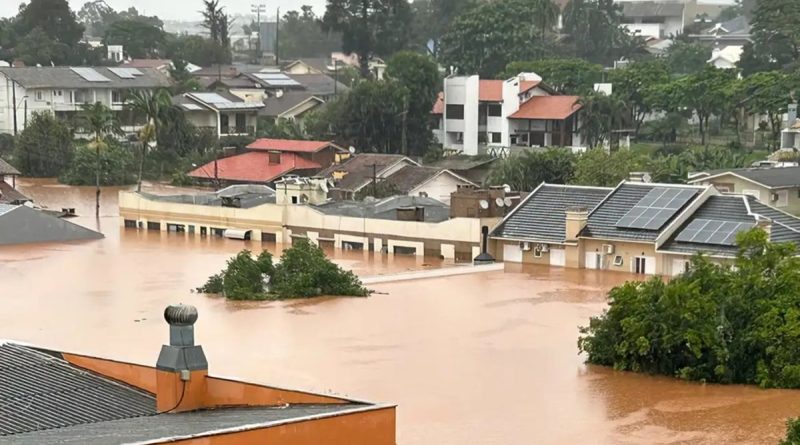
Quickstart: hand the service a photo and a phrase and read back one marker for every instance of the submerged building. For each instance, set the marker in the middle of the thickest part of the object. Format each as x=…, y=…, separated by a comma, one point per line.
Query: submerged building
x=20, y=224
x=53, y=396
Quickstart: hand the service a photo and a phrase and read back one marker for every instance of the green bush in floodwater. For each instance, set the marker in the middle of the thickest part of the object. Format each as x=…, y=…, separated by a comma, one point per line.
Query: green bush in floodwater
x=792, y=432
x=304, y=271
x=737, y=323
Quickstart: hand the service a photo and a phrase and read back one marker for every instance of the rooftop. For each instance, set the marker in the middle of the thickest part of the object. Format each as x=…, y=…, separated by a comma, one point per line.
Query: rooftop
x=20, y=224
x=542, y=215
x=253, y=166
x=217, y=101
x=779, y=177
x=8, y=169
x=491, y=90
x=276, y=106
x=548, y=107
x=245, y=195
x=652, y=9
x=435, y=211
x=412, y=176
x=360, y=168
x=102, y=77
x=320, y=84
x=290, y=145
x=10, y=195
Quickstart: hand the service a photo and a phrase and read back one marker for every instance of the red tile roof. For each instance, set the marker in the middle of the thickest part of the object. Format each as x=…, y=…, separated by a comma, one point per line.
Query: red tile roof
x=548, y=107
x=490, y=90
x=253, y=166
x=526, y=85
x=438, y=106
x=290, y=145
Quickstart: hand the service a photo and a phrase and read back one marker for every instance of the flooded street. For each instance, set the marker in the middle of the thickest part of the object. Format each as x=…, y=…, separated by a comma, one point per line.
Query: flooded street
x=474, y=359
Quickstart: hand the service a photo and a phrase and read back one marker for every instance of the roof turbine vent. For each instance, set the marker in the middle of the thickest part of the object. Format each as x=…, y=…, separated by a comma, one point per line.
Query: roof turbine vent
x=180, y=315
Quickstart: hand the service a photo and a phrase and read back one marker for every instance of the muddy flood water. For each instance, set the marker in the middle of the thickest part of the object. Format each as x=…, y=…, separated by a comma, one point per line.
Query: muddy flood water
x=474, y=359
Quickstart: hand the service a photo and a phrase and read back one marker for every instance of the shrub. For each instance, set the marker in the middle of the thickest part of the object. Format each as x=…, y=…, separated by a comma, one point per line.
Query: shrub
x=45, y=148
x=714, y=323
x=792, y=432
x=117, y=167
x=243, y=279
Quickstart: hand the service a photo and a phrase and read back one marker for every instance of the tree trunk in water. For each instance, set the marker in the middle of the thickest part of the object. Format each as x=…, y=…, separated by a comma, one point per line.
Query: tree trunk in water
x=97, y=179
x=703, y=122
x=141, y=168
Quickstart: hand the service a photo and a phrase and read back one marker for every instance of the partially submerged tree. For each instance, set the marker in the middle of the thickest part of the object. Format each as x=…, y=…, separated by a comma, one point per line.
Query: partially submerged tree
x=101, y=122
x=45, y=147
x=153, y=107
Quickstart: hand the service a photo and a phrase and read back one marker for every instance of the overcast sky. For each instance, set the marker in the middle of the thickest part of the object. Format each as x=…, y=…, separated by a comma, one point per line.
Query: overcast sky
x=181, y=9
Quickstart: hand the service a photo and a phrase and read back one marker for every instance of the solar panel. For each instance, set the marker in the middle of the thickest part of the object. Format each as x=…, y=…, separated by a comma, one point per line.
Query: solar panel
x=656, y=208
x=193, y=107
x=122, y=73
x=211, y=98
x=89, y=74
x=712, y=231
x=276, y=79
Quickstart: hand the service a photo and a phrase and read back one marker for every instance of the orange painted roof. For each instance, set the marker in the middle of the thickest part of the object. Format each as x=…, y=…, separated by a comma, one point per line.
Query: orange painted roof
x=253, y=166
x=526, y=85
x=548, y=107
x=490, y=91
x=290, y=145
x=438, y=106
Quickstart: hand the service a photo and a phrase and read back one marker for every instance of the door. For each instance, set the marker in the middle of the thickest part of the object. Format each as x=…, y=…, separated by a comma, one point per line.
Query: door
x=679, y=266
x=224, y=124
x=593, y=260
x=241, y=123
x=512, y=253
x=558, y=257
x=643, y=265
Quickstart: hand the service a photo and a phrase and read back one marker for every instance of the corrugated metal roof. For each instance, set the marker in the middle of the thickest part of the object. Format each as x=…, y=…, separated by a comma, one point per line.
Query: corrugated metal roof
x=542, y=216
x=39, y=391
x=602, y=222
x=8, y=169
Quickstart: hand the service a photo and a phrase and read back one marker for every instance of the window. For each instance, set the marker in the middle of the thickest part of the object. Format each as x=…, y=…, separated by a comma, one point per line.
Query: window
x=618, y=260
x=495, y=110
x=58, y=93
x=460, y=138
x=130, y=224
x=454, y=112
x=497, y=137
x=294, y=199
x=39, y=96
x=116, y=97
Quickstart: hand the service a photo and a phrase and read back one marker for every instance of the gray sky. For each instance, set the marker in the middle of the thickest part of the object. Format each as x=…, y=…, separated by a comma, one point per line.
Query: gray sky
x=181, y=9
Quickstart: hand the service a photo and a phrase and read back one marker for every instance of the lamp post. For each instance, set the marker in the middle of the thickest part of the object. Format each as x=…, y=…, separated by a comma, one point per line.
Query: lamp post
x=16, y=108
x=257, y=9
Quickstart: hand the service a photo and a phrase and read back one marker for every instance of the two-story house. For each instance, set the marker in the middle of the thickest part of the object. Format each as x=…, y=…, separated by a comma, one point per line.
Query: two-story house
x=64, y=90
x=475, y=115
x=778, y=187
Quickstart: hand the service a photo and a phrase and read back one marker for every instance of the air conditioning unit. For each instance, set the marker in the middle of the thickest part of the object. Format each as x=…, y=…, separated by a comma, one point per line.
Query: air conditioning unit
x=608, y=249
x=526, y=246
x=544, y=247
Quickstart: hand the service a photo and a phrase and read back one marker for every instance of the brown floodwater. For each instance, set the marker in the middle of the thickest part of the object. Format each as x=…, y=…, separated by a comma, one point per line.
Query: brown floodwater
x=474, y=359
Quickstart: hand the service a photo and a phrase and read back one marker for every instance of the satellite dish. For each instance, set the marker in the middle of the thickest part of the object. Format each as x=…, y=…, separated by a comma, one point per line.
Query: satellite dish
x=508, y=202
x=507, y=188
x=324, y=186
x=279, y=93
x=484, y=204
x=352, y=150
x=499, y=202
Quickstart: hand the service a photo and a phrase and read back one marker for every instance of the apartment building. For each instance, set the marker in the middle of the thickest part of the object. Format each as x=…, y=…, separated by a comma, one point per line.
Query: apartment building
x=64, y=90
x=475, y=116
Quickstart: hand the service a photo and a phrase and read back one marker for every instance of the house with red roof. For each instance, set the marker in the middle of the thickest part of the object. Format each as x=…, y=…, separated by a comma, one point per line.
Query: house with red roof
x=474, y=116
x=268, y=160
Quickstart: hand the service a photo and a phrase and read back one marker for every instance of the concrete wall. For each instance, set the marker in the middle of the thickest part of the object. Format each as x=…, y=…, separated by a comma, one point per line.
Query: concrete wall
x=788, y=199
x=627, y=250
x=253, y=95
x=439, y=188
x=463, y=90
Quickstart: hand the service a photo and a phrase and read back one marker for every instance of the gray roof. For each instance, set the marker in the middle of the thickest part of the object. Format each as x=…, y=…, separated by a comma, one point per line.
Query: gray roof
x=359, y=169
x=247, y=195
x=8, y=169
x=435, y=211
x=778, y=177
x=320, y=84
x=652, y=9
x=275, y=106
x=602, y=221
x=21, y=225
x=64, y=77
x=734, y=208
x=460, y=163
x=542, y=216
x=738, y=25
x=39, y=391
x=411, y=176
x=165, y=426
x=10, y=195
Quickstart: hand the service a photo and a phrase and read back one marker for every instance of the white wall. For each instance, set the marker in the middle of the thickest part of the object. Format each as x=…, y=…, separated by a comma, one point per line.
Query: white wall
x=439, y=188
x=462, y=90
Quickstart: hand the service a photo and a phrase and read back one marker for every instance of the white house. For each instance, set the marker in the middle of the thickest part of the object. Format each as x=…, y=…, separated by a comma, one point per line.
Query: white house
x=225, y=113
x=63, y=90
x=726, y=57
x=656, y=19
x=479, y=115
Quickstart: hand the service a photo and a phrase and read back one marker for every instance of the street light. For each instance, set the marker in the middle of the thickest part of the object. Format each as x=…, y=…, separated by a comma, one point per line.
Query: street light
x=258, y=9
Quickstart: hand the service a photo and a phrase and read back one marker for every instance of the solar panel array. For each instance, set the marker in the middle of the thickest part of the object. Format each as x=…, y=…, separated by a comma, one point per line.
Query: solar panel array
x=211, y=98
x=656, y=208
x=89, y=74
x=277, y=79
x=126, y=73
x=712, y=231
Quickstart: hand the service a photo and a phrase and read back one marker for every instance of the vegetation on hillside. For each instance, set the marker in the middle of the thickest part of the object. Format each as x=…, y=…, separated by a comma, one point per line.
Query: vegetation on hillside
x=737, y=323
x=303, y=272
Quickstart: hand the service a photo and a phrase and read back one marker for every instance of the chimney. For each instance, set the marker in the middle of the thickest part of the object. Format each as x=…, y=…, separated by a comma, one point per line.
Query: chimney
x=764, y=224
x=274, y=157
x=484, y=257
x=575, y=222
x=182, y=367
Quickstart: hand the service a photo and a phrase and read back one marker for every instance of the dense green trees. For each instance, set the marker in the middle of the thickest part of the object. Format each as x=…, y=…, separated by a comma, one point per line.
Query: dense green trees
x=529, y=169
x=139, y=40
x=687, y=57
x=737, y=323
x=776, y=37
x=432, y=19
x=303, y=271
x=302, y=36
x=419, y=77
x=564, y=75
x=45, y=147
x=153, y=106
x=792, y=432
x=634, y=84
x=370, y=27
x=594, y=31
x=217, y=22
x=116, y=163
x=603, y=116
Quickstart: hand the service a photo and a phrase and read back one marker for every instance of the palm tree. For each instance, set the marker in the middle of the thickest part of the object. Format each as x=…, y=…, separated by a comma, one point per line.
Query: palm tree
x=151, y=105
x=547, y=13
x=601, y=116
x=101, y=122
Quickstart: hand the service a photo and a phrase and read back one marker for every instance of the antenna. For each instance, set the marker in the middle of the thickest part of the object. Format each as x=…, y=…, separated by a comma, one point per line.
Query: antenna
x=484, y=204
x=499, y=202
x=508, y=202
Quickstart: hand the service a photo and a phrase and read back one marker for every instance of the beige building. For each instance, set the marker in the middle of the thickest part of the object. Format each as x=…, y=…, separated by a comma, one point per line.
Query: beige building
x=776, y=187
x=636, y=227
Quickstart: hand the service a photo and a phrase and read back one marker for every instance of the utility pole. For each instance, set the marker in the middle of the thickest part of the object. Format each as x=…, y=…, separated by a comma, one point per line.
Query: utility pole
x=278, y=37
x=257, y=9
x=335, y=78
x=216, y=171
x=404, y=140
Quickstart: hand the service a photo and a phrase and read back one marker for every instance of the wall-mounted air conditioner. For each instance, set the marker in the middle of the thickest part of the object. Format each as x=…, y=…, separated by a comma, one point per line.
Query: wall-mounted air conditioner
x=526, y=246
x=608, y=249
x=544, y=247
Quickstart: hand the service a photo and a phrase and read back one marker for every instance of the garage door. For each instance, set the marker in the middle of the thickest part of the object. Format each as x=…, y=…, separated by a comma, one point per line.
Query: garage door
x=512, y=253
x=558, y=257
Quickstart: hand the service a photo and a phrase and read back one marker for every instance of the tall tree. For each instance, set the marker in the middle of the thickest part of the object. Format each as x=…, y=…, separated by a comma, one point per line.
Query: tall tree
x=595, y=33
x=138, y=39
x=485, y=39
x=601, y=116
x=432, y=19
x=100, y=121
x=525, y=171
x=217, y=22
x=370, y=27
x=687, y=57
x=634, y=84
x=152, y=106
x=776, y=36
x=37, y=48
x=704, y=93
x=54, y=17
x=769, y=93
x=45, y=147
x=419, y=75
x=302, y=35
x=566, y=76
